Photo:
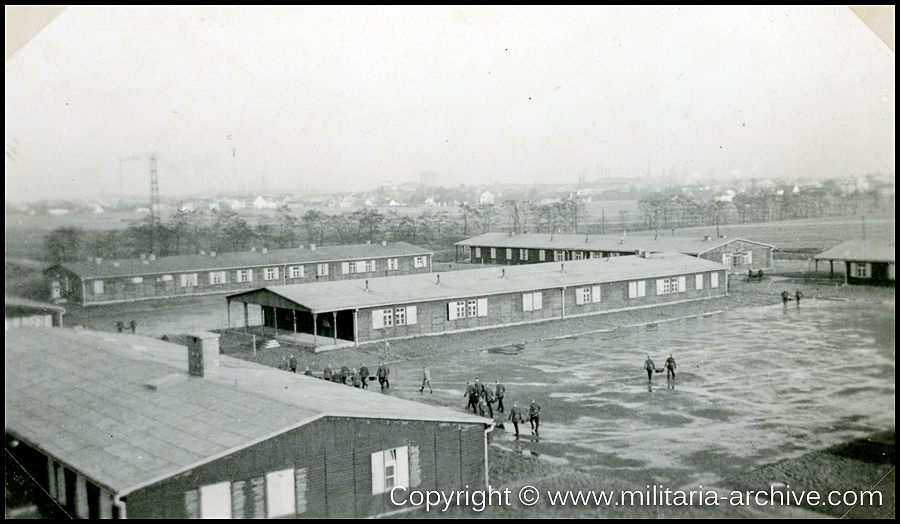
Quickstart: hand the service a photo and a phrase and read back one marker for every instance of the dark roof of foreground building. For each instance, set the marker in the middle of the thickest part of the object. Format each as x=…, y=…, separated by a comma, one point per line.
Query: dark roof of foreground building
x=248, y=259
x=410, y=289
x=860, y=250
x=19, y=304
x=620, y=243
x=84, y=398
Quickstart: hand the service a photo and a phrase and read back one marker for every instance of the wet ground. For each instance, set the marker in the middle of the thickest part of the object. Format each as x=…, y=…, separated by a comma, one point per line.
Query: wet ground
x=754, y=386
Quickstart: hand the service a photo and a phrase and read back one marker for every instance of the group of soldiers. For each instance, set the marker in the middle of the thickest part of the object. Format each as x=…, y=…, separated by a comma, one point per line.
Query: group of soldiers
x=482, y=397
x=785, y=296
x=650, y=367
x=120, y=326
x=356, y=377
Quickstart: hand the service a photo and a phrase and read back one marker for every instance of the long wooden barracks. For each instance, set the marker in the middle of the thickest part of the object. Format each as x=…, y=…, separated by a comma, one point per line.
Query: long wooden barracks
x=117, y=425
x=413, y=305
x=502, y=248
x=105, y=282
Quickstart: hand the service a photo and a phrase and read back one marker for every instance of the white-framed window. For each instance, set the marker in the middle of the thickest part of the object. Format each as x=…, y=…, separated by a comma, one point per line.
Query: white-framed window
x=189, y=280
x=420, y=262
x=400, y=316
x=542, y=255
x=98, y=287
x=322, y=270
x=477, y=252
x=456, y=310
x=297, y=271
x=281, y=499
x=637, y=289
x=245, y=275
x=860, y=270
x=582, y=295
x=726, y=259
x=533, y=301
x=714, y=280
x=472, y=308
x=509, y=253
x=665, y=286
x=137, y=280
x=370, y=266
x=215, y=501
x=393, y=264
x=390, y=468
x=348, y=268
x=388, y=317
x=493, y=253
x=579, y=255
x=166, y=278
x=698, y=281
x=523, y=254
x=216, y=277
x=559, y=256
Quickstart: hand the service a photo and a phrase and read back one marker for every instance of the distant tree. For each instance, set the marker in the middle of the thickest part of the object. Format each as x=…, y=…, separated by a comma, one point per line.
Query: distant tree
x=512, y=208
x=64, y=244
x=288, y=227
x=467, y=213
x=314, y=222
x=487, y=216
x=266, y=232
x=342, y=226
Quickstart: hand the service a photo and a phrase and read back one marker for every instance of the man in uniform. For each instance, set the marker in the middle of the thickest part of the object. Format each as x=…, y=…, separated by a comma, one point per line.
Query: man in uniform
x=364, y=375
x=648, y=365
x=383, y=373
x=327, y=373
x=798, y=295
x=489, y=398
x=426, y=379
x=293, y=364
x=670, y=367
x=785, y=297
x=345, y=374
x=501, y=392
x=472, y=395
x=354, y=378
x=534, y=416
x=515, y=417
x=308, y=372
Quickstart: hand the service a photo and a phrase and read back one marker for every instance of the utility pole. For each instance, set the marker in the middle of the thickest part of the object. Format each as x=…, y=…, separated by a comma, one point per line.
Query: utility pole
x=154, y=204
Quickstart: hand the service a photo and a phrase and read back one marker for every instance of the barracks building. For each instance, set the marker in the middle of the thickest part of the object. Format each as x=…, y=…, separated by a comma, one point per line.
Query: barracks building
x=864, y=263
x=105, y=282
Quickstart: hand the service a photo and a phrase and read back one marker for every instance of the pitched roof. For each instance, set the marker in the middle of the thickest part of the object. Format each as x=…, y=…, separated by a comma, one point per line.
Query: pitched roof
x=861, y=250
x=82, y=397
x=182, y=263
x=686, y=245
x=409, y=289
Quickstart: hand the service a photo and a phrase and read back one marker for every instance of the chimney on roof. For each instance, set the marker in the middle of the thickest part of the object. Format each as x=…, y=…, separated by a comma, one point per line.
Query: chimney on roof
x=265, y=251
x=98, y=260
x=562, y=268
x=586, y=238
x=384, y=242
x=439, y=279
x=212, y=253
x=312, y=247
x=707, y=238
x=203, y=352
x=151, y=256
x=367, y=286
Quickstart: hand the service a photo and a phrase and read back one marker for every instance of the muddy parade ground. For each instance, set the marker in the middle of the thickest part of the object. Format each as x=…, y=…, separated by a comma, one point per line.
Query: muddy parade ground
x=753, y=387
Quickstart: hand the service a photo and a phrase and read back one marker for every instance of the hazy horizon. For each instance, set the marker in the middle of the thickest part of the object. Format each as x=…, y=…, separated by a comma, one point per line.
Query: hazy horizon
x=272, y=99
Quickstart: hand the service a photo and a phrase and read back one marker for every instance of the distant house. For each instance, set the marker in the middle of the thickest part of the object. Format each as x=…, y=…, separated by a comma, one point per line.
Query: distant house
x=261, y=202
x=186, y=207
x=104, y=282
x=502, y=248
x=122, y=426
x=486, y=198
x=865, y=263
x=766, y=185
x=236, y=205
x=58, y=211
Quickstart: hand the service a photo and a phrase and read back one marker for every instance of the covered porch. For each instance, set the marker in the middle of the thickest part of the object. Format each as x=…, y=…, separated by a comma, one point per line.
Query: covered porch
x=294, y=323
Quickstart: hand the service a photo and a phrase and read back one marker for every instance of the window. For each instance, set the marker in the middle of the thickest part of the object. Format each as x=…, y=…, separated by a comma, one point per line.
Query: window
x=215, y=501
x=532, y=301
x=297, y=271
x=472, y=309
x=637, y=289
x=698, y=281
x=726, y=259
x=98, y=287
x=579, y=255
x=393, y=264
x=713, y=280
x=137, y=280
x=542, y=255
x=477, y=252
x=860, y=270
x=370, y=266
x=217, y=277
x=400, y=316
x=559, y=256
x=421, y=262
x=456, y=310
x=245, y=275
x=493, y=253
x=388, y=316
x=666, y=285
x=166, y=278
x=280, y=497
x=322, y=270
x=389, y=469
x=523, y=254
x=189, y=280
x=587, y=295
x=348, y=267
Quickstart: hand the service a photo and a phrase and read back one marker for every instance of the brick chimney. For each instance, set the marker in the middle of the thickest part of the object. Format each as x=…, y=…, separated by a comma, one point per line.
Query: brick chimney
x=203, y=352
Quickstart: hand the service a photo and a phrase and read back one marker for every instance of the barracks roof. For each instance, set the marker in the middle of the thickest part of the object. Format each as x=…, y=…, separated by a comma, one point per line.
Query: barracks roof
x=82, y=397
x=351, y=294
x=181, y=263
x=686, y=245
x=18, y=304
x=860, y=250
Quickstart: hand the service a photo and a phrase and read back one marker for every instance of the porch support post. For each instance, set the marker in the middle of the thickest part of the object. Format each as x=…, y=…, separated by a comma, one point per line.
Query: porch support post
x=355, y=328
x=315, y=331
x=334, y=325
x=294, y=311
x=246, y=316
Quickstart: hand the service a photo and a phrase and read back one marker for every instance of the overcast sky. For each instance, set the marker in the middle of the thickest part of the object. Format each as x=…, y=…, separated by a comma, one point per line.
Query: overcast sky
x=303, y=98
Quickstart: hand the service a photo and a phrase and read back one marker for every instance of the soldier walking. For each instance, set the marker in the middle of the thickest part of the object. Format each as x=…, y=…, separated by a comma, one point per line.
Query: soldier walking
x=426, y=379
